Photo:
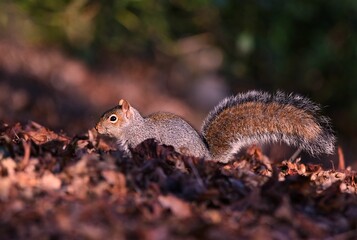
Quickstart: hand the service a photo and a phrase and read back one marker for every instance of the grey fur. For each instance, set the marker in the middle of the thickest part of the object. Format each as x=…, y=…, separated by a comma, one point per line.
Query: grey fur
x=172, y=131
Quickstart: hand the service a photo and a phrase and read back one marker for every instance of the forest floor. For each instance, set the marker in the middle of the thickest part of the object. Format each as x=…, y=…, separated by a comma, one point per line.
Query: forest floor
x=57, y=187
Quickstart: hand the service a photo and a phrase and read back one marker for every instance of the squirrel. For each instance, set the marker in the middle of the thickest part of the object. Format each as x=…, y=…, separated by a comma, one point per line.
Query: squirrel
x=236, y=122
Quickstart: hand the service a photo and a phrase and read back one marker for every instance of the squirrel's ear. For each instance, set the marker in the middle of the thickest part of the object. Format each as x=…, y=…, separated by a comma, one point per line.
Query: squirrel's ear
x=125, y=107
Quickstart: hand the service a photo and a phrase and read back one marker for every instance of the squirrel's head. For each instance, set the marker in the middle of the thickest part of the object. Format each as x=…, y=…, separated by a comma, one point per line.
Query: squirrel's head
x=114, y=120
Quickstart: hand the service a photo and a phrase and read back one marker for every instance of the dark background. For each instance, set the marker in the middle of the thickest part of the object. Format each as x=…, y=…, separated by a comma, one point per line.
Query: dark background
x=62, y=63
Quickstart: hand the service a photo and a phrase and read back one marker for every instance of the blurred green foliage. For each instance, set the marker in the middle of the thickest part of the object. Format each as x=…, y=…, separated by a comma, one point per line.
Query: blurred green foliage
x=307, y=46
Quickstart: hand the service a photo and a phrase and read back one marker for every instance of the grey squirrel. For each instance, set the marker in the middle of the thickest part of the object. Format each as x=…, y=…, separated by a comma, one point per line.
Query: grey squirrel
x=236, y=122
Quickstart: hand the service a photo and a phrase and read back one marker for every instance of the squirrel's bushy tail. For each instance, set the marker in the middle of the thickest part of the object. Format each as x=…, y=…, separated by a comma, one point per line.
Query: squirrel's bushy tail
x=260, y=117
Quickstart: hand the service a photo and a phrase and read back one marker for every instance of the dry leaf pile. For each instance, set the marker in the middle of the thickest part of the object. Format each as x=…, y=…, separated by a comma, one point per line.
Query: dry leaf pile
x=55, y=187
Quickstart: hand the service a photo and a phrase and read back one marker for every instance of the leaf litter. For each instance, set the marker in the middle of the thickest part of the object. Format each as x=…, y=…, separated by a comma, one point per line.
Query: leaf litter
x=54, y=186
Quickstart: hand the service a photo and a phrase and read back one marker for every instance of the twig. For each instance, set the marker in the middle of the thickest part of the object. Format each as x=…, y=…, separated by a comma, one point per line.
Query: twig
x=295, y=155
x=27, y=153
x=332, y=165
x=341, y=159
x=17, y=136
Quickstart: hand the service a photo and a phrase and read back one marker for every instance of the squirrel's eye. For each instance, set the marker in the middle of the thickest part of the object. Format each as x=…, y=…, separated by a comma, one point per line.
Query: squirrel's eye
x=113, y=118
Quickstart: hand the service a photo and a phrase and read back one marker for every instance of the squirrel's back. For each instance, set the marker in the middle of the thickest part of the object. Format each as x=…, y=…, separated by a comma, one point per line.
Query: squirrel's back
x=173, y=130
x=258, y=117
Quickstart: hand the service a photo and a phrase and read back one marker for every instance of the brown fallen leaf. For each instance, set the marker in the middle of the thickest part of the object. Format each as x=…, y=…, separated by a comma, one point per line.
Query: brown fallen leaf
x=50, y=182
x=41, y=135
x=117, y=180
x=178, y=207
x=5, y=186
